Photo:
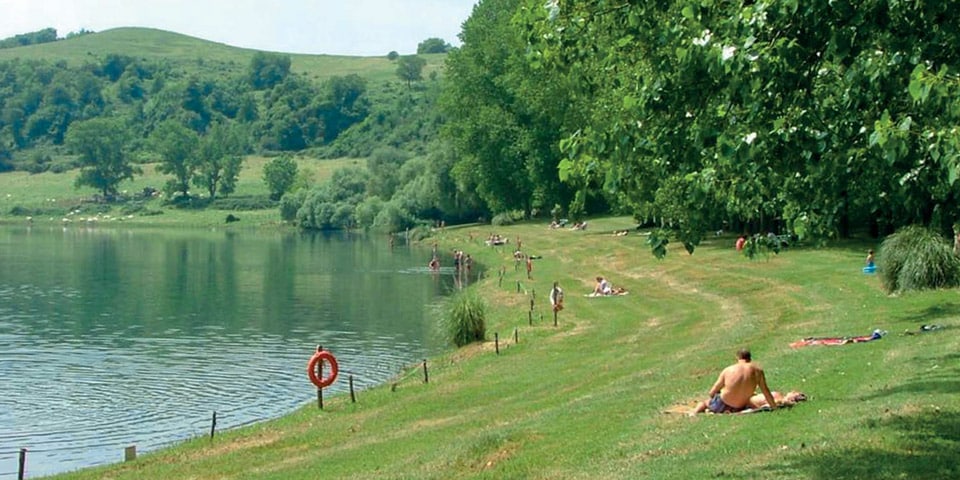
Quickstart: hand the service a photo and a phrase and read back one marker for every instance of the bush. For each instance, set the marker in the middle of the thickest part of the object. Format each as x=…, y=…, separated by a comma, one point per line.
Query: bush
x=466, y=318
x=507, y=218
x=249, y=202
x=917, y=258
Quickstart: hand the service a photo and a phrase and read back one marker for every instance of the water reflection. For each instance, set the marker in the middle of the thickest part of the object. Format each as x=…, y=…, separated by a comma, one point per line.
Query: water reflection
x=113, y=338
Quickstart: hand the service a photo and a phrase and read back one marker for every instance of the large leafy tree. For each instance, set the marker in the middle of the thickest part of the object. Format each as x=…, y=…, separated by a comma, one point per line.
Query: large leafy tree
x=279, y=175
x=177, y=146
x=433, y=45
x=219, y=159
x=502, y=116
x=100, y=144
x=267, y=69
x=410, y=68
x=801, y=116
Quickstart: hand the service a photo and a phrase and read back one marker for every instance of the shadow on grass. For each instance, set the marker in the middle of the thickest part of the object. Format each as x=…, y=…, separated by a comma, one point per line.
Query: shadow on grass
x=941, y=375
x=933, y=314
x=928, y=446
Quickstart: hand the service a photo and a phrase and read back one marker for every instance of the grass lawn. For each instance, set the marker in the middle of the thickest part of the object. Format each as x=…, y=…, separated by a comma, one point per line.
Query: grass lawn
x=584, y=399
x=54, y=194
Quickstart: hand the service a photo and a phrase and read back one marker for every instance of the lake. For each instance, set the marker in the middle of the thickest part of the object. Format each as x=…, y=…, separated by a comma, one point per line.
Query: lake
x=112, y=337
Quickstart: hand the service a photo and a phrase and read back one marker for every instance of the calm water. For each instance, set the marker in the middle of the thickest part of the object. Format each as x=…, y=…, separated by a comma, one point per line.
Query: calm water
x=111, y=338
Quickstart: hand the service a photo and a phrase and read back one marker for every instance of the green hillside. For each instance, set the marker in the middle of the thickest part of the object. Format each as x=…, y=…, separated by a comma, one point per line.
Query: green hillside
x=153, y=44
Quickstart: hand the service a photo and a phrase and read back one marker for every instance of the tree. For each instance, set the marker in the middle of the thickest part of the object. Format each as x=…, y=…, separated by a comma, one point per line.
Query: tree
x=504, y=118
x=279, y=175
x=100, y=144
x=433, y=45
x=393, y=55
x=770, y=116
x=345, y=104
x=384, y=166
x=219, y=159
x=410, y=68
x=177, y=146
x=268, y=69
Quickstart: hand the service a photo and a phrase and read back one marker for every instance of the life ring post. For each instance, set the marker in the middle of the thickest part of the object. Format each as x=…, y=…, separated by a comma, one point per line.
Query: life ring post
x=315, y=371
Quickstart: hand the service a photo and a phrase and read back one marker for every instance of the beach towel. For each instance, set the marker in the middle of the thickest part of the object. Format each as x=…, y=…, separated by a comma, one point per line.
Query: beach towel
x=791, y=399
x=876, y=335
x=615, y=294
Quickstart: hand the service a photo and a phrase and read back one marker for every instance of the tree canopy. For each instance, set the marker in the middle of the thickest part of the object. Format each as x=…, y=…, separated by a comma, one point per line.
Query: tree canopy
x=800, y=117
x=433, y=45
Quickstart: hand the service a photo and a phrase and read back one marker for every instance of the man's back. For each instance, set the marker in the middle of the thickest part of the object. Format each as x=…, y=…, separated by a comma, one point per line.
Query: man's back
x=740, y=380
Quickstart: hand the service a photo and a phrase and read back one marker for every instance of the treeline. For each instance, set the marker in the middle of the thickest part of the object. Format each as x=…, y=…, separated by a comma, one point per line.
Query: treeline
x=46, y=35
x=107, y=116
x=283, y=112
x=808, y=119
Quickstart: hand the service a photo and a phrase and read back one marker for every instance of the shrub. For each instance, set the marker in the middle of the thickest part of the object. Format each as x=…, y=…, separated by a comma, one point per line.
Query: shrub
x=507, y=218
x=248, y=202
x=466, y=318
x=917, y=258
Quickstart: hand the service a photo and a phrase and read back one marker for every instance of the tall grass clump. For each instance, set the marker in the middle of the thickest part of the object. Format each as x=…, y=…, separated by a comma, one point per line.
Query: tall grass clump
x=465, y=319
x=917, y=258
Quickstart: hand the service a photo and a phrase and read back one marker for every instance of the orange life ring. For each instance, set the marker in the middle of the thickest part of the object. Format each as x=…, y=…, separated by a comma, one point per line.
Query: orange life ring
x=312, y=368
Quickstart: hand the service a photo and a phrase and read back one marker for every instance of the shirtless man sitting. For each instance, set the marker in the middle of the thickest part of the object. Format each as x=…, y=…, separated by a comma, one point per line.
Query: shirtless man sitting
x=732, y=391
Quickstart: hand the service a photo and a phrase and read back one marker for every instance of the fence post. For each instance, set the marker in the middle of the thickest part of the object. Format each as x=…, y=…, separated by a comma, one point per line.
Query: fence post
x=353, y=397
x=320, y=375
x=426, y=377
x=496, y=342
x=130, y=453
x=213, y=424
x=516, y=335
x=23, y=464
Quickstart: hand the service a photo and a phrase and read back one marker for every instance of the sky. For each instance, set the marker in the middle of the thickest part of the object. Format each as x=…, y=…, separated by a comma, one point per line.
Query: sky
x=334, y=27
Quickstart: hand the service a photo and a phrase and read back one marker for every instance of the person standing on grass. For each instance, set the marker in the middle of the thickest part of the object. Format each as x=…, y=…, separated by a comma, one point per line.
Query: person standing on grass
x=556, y=297
x=737, y=383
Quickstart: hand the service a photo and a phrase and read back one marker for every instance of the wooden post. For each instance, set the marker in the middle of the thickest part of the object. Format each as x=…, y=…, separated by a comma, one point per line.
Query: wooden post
x=530, y=318
x=320, y=375
x=496, y=342
x=213, y=424
x=353, y=396
x=516, y=335
x=426, y=377
x=23, y=464
x=130, y=453
x=531, y=304
x=518, y=286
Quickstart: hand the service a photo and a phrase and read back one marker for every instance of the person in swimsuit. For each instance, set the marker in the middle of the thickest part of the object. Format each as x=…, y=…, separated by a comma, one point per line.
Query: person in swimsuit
x=735, y=386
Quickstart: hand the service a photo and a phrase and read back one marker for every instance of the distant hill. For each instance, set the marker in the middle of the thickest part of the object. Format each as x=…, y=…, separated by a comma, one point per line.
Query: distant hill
x=149, y=43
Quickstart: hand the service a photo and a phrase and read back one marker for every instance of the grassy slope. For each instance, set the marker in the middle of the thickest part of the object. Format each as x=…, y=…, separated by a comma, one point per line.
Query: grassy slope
x=56, y=191
x=583, y=400
x=194, y=53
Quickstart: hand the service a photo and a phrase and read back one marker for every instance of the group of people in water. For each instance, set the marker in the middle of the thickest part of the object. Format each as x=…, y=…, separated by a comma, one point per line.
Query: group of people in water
x=461, y=261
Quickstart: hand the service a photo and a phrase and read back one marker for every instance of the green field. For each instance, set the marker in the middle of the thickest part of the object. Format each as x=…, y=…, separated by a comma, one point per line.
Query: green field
x=584, y=399
x=190, y=52
x=54, y=194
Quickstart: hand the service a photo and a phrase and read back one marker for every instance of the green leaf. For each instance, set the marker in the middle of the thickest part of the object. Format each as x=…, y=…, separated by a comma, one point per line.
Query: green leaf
x=565, y=169
x=905, y=124
x=687, y=12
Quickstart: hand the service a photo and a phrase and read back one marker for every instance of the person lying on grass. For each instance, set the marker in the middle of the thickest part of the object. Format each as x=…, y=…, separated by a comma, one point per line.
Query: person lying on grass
x=735, y=386
x=791, y=398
